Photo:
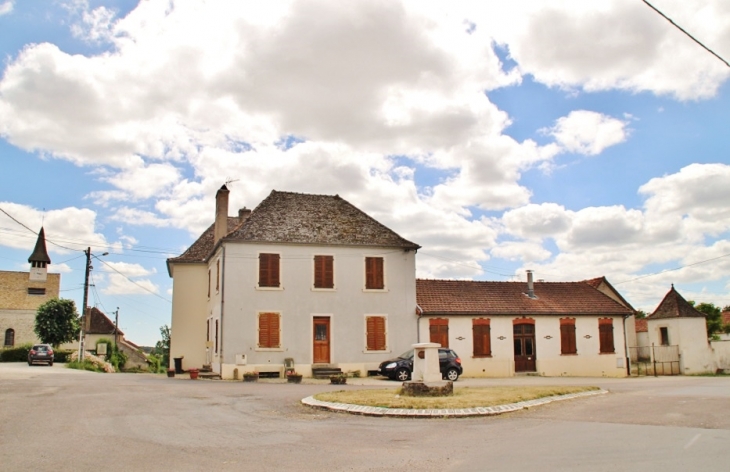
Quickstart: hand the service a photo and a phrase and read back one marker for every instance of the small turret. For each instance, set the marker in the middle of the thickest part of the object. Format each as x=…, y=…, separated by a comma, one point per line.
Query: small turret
x=39, y=259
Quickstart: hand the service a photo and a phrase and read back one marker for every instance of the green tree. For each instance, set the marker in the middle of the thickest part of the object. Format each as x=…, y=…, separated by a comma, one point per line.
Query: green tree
x=713, y=316
x=640, y=314
x=57, y=322
x=162, y=348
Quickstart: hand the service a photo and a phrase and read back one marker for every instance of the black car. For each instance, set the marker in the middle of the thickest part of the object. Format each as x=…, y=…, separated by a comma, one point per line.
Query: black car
x=40, y=353
x=401, y=367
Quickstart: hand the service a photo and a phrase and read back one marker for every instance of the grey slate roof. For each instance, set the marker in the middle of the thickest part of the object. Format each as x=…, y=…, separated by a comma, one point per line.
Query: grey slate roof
x=468, y=297
x=674, y=306
x=40, y=254
x=287, y=217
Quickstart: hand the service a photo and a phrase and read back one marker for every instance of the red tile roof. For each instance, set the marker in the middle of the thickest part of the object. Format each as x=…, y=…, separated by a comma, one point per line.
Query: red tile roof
x=464, y=297
x=675, y=306
x=641, y=325
x=725, y=317
x=101, y=324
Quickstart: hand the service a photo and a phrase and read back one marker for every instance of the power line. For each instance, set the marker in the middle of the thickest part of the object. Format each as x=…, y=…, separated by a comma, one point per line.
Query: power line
x=674, y=269
x=685, y=32
x=132, y=281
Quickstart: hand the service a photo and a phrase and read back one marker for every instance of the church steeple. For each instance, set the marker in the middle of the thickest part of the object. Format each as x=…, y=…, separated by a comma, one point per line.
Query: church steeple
x=39, y=259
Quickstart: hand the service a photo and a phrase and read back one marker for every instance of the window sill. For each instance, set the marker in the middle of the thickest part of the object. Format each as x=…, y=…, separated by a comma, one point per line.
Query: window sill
x=375, y=290
x=607, y=353
x=568, y=353
x=269, y=289
x=269, y=349
x=384, y=351
x=317, y=289
x=489, y=356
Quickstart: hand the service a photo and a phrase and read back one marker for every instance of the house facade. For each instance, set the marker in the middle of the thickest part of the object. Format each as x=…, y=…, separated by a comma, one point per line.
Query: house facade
x=21, y=293
x=500, y=329
x=308, y=279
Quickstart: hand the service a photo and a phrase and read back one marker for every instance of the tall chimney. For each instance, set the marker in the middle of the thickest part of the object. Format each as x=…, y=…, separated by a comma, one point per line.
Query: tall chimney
x=530, y=285
x=221, y=214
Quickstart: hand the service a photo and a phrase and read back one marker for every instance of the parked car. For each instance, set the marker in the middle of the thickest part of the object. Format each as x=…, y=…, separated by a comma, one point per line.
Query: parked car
x=40, y=353
x=401, y=367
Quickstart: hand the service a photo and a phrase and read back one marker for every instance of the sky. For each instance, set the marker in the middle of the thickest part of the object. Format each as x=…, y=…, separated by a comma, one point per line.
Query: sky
x=575, y=139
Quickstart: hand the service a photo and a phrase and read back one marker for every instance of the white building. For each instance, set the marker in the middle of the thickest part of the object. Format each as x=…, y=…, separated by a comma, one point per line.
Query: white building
x=305, y=277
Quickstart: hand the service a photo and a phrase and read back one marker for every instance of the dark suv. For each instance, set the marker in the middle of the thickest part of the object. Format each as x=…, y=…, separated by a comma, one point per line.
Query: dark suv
x=40, y=353
x=401, y=367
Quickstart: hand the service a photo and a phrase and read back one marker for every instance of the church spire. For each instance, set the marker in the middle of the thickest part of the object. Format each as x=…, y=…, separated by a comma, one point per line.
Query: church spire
x=39, y=258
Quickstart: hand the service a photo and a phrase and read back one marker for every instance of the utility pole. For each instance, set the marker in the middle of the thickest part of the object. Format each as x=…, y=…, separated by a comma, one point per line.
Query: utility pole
x=116, y=327
x=85, y=315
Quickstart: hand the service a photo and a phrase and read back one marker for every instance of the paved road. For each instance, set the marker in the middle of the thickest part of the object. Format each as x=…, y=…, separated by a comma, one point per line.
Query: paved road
x=52, y=418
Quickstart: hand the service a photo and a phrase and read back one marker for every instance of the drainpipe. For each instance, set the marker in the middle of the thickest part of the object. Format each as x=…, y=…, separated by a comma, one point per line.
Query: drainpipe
x=626, y=348
x=223, y=300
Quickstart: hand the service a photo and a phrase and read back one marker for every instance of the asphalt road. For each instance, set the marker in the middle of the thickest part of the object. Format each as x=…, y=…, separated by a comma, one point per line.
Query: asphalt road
x=52, y=418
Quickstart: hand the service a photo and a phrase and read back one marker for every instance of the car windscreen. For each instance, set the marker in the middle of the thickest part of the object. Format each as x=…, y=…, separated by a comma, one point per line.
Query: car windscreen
x=40, y=348
x=407, y=355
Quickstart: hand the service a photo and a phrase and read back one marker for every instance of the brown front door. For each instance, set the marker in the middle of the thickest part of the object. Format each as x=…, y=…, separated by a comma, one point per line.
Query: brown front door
x=524, y=340
x=321, y=340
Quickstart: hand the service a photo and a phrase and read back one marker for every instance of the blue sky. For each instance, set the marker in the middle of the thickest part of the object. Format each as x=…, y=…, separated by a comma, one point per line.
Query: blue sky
x=570, y=138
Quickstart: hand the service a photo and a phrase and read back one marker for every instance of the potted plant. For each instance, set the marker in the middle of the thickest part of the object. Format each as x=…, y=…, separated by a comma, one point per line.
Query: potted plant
x=293, y=377
x=171, y=372
x=338, y=379
x=193, y=373
x=250, y=376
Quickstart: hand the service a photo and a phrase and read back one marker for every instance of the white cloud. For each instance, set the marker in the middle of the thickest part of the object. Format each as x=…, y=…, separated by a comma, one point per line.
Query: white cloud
x=537, y=221
x=587, y=132
x=127, y=279
x=6, y=7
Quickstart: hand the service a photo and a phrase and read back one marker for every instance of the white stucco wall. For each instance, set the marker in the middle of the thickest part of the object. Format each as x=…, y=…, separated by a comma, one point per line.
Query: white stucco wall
x=189, y=309
x=298, y=303
x=550, y=362
x=721, y=353
x=690, y=334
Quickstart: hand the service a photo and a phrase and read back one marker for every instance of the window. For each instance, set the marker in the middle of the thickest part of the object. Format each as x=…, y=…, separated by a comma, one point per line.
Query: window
x=269, y=270
x=9, y=337
x=208, y=283
x=36, y=291
x=207, y=331
x=269, y=330
x=664, y=334
x=376, y=335
x=324, y=272
x=481, y=337
x=216, y=336
x=439, y=331
x=374, y=273
x=567, y=336
x=605, y=331
x=217, y=275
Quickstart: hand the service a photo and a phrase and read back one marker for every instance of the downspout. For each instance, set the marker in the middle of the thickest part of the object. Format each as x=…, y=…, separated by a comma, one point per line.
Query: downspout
x=223, y=298
x=626, y=348
x=419, y=312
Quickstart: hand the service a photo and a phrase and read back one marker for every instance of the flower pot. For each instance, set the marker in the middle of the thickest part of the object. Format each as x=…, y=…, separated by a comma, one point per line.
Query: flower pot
x=171, y=373
x=250, y=378
x=193, y=374
x=295, y=379
x=338, y=380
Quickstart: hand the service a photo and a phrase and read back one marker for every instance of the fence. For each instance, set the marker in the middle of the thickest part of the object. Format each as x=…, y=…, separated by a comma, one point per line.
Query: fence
x=654, y=360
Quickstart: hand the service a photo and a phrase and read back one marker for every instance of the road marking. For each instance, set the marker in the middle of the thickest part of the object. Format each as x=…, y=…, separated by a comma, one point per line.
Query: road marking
x=692, y=441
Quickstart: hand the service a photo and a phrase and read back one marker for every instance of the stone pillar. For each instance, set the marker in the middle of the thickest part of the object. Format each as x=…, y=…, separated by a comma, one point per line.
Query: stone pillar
x=426, y=363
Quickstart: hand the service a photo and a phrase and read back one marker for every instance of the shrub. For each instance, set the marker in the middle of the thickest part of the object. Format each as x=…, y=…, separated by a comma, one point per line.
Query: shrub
x=62, y=356
x=15, y=354
x=86, y=364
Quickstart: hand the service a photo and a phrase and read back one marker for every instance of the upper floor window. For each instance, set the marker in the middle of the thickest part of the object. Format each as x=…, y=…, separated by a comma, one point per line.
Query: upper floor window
x=218, y=275
x=324, y=275
x=567, y=336
x=374, y=279
x=605, y=332
x=208, y=283
x=269, y=270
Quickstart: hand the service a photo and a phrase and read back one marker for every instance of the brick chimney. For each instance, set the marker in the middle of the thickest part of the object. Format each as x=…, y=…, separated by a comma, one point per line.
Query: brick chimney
x=243, y=214
x=221, y=214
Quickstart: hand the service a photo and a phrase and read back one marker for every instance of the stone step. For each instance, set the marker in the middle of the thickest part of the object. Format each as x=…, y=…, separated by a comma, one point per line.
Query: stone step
x=325, y=372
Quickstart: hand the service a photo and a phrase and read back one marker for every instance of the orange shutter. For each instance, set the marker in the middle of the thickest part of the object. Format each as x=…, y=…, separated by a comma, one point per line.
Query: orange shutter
x=269, y=270
x=269, y=330
x=375, y=333
x=481, y=333
x=567, y=336
x=439, y=331
x=605, y=331
x=374, y=273
x=324, y=272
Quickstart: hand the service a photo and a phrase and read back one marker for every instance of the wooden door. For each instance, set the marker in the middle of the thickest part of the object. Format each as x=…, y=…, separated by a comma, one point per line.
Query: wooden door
x=321, y=340
x=524, y=341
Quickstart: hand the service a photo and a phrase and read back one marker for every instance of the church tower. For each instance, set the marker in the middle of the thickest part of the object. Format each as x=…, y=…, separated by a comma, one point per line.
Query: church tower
x=39, y=260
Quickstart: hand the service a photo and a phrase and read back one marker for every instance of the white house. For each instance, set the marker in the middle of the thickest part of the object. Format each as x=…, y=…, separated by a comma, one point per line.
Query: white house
x=303, y=277
x=500, y=329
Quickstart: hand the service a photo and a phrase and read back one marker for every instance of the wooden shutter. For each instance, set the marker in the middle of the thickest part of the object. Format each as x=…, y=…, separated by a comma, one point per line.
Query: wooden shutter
x=218, y=275
x=269, y=330
x=324, y=272
x=375, y=333
x=567, y=336
x=439, y=331
x=208, y=283
x=269, y=270
x=374, y=273
x=481, y=337
x=216, y=336
x=605, y=331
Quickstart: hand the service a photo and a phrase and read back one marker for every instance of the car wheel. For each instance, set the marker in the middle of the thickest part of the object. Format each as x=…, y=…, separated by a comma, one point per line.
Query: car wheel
x=402, y=374
x=30, y=363
x=452, y=374
x=50, y=364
